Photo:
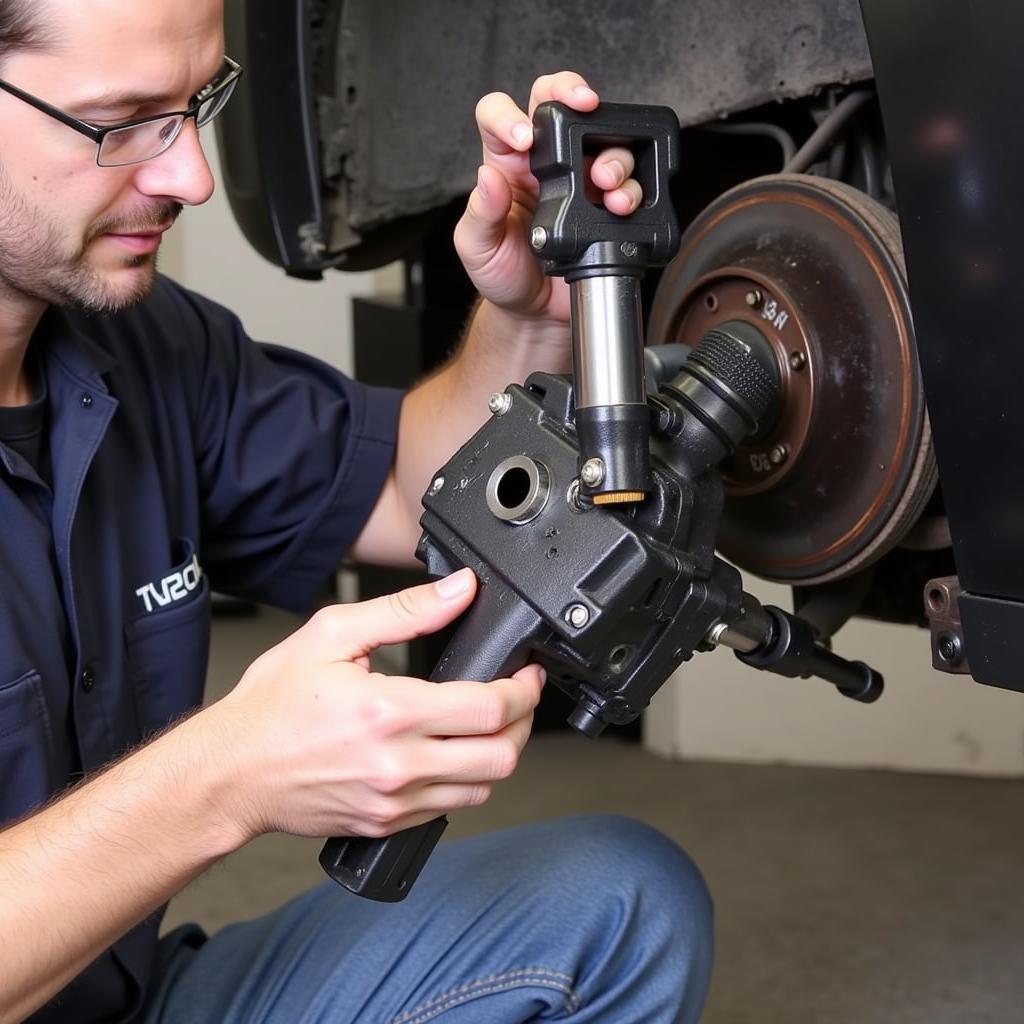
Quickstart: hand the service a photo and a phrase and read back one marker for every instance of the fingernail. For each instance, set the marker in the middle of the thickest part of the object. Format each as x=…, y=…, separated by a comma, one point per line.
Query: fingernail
x=480, y=182
x=617, y=169
x=522, y=132
x=543, y=677
x=454, y=585
x=584, y=91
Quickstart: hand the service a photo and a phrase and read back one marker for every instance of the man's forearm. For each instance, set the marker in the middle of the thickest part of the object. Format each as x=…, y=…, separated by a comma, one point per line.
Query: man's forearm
x=446, y=409
x=78, y=874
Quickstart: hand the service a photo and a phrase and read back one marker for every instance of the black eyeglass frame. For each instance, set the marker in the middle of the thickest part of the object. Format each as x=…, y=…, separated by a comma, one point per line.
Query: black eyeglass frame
x=98, y=134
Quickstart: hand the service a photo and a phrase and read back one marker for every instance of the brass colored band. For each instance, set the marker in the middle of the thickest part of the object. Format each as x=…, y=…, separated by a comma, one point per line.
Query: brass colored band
x=618, y=497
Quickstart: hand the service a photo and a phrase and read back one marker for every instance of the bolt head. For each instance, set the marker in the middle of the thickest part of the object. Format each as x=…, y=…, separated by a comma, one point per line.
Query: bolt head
x=538, y=238
x=499, y=403
x=592, y=472
x=755, y=297
x=949, y=647
x=778, y=455
x=797, y=361
x=629, y=249
x=577, y=615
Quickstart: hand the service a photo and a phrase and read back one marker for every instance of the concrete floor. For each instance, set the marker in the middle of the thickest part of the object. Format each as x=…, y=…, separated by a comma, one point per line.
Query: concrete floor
x=842, y=896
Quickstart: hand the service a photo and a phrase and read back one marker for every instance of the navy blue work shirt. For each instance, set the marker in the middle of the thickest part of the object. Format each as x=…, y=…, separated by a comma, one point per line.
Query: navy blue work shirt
x=183, y=457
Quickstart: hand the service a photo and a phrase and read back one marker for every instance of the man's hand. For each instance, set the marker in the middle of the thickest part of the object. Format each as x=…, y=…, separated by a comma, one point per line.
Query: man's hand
x=491, y=238
x=326, y=747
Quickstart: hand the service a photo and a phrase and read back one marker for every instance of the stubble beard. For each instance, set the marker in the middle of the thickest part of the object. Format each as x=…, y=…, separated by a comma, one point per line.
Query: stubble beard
x=38, y=261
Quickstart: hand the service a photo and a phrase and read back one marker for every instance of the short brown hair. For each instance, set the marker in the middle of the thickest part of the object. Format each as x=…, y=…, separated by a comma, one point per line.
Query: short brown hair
x=19, y=28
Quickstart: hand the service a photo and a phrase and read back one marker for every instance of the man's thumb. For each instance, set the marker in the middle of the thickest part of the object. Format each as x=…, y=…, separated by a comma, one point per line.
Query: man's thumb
x=405, y=615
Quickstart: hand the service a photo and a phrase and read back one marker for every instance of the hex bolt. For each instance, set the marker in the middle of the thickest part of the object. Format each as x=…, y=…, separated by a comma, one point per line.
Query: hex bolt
x=435, y=487
x=577, y=615
x=797, y=361
x=755, y=298
x=629, y=249
x=538, y=238
x=592, y=472
x=778, y=455
x=949, y=647
x=499, y=403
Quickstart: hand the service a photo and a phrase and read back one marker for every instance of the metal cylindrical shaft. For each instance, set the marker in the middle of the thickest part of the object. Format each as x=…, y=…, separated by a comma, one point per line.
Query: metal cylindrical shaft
x=750, y=631
x=607, y=341
x=612, y=418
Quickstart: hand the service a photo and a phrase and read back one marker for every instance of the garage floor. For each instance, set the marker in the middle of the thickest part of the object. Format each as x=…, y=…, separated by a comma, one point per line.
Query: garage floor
x=842, y=896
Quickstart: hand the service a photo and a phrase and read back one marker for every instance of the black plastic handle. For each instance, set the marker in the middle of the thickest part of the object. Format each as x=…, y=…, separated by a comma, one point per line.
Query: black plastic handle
x=493, y=641
x=571, y=222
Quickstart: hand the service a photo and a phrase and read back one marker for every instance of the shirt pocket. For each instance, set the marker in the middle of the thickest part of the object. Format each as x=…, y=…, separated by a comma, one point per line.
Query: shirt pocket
x=167, y=651
x=26, y=746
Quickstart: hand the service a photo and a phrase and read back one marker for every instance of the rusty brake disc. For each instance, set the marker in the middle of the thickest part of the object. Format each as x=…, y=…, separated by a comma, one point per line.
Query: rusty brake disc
x=818, y=267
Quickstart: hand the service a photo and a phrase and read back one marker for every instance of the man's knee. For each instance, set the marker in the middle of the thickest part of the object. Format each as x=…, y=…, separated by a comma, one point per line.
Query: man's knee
x=627, y=856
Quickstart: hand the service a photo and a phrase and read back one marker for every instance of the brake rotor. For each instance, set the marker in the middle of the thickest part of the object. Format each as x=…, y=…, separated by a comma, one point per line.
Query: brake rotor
x=846, y=471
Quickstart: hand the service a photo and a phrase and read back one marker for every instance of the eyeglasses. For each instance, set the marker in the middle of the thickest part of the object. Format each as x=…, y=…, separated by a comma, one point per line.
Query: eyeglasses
x=145, y=137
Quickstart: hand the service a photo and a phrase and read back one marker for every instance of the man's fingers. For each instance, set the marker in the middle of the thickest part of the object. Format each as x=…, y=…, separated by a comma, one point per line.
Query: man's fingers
x=349, y=632
x=567, y=87
x=626, y=199
x=478, y=759
x=504, y=128
x=612, y=168
x=481, y=229
x=468, y=708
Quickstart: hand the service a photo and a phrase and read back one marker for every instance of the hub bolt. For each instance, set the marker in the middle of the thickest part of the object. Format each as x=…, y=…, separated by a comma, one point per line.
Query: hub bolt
x=592, y=472
x=538, y=238
x=797, y=360
x=755, y=298
x=778, y=455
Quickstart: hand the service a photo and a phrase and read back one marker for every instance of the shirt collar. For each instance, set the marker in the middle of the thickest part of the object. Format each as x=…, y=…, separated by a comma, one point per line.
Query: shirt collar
x=64, y=336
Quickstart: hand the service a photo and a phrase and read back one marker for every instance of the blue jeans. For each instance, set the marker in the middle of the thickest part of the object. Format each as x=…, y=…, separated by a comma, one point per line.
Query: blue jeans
x=589, y=919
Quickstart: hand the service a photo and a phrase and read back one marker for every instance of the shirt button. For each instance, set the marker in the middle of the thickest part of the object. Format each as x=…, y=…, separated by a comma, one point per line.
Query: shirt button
x=86, y=400
x=87, y=678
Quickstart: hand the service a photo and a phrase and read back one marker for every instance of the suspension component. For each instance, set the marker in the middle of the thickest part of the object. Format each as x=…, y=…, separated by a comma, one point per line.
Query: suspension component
x=603, y=257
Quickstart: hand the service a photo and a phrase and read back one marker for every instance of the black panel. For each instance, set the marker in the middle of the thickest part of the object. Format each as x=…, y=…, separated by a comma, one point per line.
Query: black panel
x=949, y=83
x=268, y=136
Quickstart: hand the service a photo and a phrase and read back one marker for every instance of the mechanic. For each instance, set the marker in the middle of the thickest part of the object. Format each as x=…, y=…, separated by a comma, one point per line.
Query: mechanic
x=148, y=451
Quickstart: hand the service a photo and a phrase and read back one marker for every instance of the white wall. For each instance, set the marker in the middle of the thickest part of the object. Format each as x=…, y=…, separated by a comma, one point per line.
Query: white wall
x=717, y=708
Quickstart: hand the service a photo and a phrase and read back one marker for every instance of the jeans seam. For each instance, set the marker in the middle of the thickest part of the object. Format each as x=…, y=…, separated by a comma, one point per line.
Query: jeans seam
x=522, y=977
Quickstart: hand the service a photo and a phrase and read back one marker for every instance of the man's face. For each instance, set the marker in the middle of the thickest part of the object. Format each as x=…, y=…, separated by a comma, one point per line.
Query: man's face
x=73, y=233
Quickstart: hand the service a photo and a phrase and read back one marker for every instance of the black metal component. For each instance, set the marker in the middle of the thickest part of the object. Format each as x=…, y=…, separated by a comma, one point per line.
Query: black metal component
x=956, y=171
x=269, y=139
x=381, y=869
x=603, y=256
x=992, y=640
x=608, y=602
x=580, y=237
x=792, y=651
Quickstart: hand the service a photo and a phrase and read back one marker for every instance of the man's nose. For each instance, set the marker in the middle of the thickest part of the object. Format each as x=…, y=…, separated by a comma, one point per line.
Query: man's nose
x=181, y=173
